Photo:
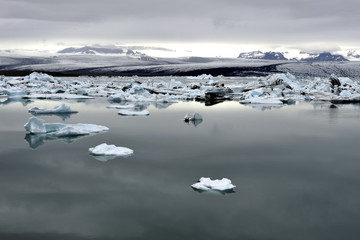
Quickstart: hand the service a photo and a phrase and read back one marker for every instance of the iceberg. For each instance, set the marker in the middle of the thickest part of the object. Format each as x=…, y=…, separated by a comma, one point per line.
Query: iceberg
x=134, y=113
x=37, y=126
x=206, y=184
x=105, y=152
x=63, y=108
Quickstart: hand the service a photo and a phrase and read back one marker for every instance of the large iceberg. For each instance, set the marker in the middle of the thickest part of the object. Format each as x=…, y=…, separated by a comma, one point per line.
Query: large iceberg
x=206, y=184
x=105, y=152
x=37, y=126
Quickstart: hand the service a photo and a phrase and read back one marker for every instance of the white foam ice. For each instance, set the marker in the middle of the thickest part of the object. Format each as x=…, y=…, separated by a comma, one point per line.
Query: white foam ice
x=206, y=184
x=37, y=126
x=134, y=113
x=63, y=108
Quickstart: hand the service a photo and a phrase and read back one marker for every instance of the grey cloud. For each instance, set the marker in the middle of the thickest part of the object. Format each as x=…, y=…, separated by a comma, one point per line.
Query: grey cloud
x=229, y=21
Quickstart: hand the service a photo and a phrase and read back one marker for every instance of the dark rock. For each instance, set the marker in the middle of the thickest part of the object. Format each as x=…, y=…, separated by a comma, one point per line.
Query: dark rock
x=334, y=81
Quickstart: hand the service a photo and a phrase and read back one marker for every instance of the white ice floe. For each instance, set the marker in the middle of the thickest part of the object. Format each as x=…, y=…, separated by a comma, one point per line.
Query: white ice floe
x=37, y=126
x=110, y=151
x=63, y=108
x=206, y=184
x=134, y=113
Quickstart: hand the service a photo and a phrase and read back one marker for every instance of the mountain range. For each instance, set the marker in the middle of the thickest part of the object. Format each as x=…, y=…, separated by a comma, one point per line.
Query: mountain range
x=312, y=57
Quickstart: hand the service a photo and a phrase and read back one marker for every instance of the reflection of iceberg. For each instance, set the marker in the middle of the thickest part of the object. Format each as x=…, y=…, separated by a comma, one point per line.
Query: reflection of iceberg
x=134, y=113
x=23, y=102
x=104, y=152
x=206, y=184
x=36, y=140
x=121, y=106
x=162, y=105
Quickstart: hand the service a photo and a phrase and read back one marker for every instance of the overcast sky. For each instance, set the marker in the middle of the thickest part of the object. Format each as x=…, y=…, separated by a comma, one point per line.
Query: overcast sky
x=266, y=24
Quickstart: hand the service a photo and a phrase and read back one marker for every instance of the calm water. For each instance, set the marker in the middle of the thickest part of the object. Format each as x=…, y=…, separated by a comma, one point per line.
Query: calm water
x=297, y=171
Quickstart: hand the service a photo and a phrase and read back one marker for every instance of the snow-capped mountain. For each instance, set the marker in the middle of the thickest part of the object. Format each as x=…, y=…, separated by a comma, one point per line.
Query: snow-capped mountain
x=106, y=51
x=353, y=54
x=263, y=55
x=92, y=50
x=325, y=56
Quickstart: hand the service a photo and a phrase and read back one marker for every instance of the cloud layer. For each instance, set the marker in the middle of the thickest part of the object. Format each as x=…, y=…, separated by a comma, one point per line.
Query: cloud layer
x=277, y=22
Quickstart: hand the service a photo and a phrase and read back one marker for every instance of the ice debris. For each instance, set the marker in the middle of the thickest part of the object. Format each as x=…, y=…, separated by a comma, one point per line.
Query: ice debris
x=104, y=152
x=63, y=108
x=37, y=126
x=206, y=184
x=275, y=89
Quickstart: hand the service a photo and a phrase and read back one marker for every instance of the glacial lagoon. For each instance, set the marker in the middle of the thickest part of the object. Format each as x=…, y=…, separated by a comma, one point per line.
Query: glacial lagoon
x=296, y=170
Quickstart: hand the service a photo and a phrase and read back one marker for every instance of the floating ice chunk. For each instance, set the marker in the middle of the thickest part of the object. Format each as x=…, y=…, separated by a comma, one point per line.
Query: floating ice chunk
x=11, y=92
x=63, y=108
x=37, y=126
x=257, y=92
x=200, y=77
x=134, y=113
x=206, y=184
x=196, y=119
x=110, y=150
x=40, y=77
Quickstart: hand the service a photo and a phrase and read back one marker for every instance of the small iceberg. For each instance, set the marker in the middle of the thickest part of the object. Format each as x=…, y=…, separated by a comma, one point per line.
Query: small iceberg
x=105, y=152
x=206, y=184
x=37, y=126
x=196, y=119
x=63, y=108
x=134, y=113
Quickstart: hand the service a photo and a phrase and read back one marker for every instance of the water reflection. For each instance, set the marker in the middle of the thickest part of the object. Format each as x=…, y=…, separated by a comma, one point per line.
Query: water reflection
x=212, y=191
x=291, y=184
x=37, y=140
x=23, y=102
